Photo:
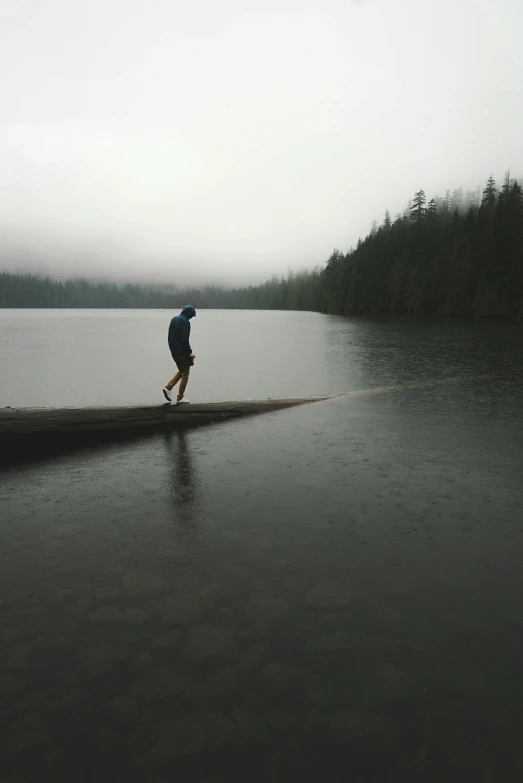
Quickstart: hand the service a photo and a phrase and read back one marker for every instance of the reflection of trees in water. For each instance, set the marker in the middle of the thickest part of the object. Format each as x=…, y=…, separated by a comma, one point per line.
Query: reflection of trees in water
x=183, y=478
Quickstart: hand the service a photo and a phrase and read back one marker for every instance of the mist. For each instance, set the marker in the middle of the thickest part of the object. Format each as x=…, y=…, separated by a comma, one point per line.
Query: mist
x=228, y=142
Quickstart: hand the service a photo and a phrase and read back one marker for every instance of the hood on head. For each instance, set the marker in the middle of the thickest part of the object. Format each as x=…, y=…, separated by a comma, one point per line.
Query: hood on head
x=188, y=311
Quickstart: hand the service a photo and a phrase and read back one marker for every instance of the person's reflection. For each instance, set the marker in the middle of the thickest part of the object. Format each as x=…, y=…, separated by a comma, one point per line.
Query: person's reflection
x=183, y=479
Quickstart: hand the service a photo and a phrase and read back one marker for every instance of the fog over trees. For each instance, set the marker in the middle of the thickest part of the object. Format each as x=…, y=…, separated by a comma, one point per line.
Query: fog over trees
x=460, y=254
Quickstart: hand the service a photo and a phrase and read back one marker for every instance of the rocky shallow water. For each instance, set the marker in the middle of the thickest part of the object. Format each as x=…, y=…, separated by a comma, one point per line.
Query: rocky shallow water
x=332, y=592
x=178, y=669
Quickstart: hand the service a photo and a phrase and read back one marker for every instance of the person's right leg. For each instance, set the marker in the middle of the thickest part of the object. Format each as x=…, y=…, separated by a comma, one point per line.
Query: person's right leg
x=174, y=380
x=184, y=367
x=183, y=384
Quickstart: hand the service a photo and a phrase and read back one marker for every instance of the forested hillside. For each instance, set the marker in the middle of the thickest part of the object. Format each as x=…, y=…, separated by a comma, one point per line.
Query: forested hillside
x=32, y=291
x=436, y=260
x=460, y=255
x=457, y=255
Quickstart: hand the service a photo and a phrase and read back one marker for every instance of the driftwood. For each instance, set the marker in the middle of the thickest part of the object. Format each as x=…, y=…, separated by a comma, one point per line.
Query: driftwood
x=46, y=423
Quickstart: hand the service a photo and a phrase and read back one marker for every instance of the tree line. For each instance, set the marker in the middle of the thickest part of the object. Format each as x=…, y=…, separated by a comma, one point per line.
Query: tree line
x=438, y=258
x=32, y=291
x=457, y=255
x=298, y=291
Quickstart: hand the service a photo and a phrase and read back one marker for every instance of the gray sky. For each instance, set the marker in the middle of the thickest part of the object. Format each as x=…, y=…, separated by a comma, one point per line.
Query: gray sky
x=233, y=139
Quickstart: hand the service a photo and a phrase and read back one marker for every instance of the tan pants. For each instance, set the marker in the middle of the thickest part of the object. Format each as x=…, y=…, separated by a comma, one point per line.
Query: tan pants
x=183, y=364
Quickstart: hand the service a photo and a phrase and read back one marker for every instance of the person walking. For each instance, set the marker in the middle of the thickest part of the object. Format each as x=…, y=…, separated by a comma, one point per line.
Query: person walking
x=181, y=351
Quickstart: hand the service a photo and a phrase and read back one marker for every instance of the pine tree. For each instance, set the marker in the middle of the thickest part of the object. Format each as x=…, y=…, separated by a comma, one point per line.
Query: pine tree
x=444, y=207
x=456, y=202
x=505, y=188
x=418, y=210
x=471, y=200
x=432, y=210
x=489, y=194
x=429, y=261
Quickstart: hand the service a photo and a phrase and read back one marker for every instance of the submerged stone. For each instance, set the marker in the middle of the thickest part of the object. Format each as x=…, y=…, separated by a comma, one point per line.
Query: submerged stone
x=17, y=656
x=252, y=632
x=226, y=679
x=127, y=638
x=181, y=610
x=328, y=643
x=13, y=634
x=104, y=614
x=367, y=737
x=67, y=676
x=209, y=641
x=265, y=611
x=315, y=687
x=251, y=727
x=60, y=625
x=252, y=657
x=388, y=682
x=52, y=639
x=27, y=731
x=159, y=683
x=315, y=718
x=167, y=639
x=9, y=684
x=79, y=606
x=33, y=626
x=67, y=699
x=133, y=616
x=142, y=660
x=143, y=583
x=107, y=735
x=110, y=614
x=328, y=594
x=127, y=705
x=281, y=720
x=102, y=658
x=467, y=679
x=224, y=616
x=62, y=594
x=28, y=704
x=194, y=734
x=106, y=592
x=331, y=619
x=219, y=731
x=276, y=677
x=207, y=588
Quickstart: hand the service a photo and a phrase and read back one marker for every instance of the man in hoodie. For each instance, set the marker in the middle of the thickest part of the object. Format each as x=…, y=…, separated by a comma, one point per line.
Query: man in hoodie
x=181, y=351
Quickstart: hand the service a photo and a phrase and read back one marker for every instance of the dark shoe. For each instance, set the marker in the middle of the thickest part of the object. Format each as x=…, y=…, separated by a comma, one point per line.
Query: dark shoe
x=167, y=394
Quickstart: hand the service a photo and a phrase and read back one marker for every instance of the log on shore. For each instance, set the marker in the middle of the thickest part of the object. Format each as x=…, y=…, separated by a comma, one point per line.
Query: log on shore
x=47, y=423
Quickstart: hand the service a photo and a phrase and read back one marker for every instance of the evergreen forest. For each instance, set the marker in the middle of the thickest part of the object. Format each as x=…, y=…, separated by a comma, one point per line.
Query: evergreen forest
x=456, y=255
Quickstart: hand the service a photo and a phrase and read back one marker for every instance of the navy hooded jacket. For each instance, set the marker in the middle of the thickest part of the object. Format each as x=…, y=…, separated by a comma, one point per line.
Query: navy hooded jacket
x=180, y=331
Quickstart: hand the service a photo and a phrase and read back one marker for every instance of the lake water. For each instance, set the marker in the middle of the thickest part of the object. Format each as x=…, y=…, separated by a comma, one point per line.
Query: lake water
x=329, y=592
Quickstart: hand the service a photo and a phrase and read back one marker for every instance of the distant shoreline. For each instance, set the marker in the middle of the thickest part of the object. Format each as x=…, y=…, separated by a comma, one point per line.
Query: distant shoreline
x=421, y=318
x=451, y=257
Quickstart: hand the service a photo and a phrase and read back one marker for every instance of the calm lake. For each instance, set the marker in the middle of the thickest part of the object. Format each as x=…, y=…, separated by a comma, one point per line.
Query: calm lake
x=331, y=592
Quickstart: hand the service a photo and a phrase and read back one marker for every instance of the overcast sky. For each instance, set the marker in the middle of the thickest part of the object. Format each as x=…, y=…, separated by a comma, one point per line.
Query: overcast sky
x=233, y=139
